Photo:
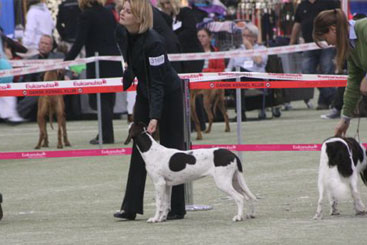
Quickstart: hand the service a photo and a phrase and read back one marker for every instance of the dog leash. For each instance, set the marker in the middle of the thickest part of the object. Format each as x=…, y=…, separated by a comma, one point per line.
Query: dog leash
x=358, y=112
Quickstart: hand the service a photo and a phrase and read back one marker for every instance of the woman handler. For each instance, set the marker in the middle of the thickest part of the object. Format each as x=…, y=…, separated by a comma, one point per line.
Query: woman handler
x=350, y=40
x=159, y=102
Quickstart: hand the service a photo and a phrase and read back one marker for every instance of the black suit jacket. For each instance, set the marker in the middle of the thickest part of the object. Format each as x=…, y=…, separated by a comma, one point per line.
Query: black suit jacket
x=96, y=30
x=147, y=60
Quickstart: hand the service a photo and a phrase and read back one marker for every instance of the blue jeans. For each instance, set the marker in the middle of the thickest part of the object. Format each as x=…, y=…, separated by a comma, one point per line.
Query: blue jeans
x=323, y=58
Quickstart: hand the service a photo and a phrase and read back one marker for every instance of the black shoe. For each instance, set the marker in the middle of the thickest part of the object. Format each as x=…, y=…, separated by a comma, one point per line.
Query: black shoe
x=96, y=142
x=171, y=216
x=1, y=210
x=322, y=107
x=123, y=215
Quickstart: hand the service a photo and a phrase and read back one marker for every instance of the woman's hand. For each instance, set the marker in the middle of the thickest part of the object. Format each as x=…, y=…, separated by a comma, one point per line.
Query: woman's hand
x=152, y=126
x=363, y=86
x=342, y=127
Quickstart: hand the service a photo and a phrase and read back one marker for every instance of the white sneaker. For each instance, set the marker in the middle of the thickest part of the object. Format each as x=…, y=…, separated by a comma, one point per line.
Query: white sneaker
x=333, y=114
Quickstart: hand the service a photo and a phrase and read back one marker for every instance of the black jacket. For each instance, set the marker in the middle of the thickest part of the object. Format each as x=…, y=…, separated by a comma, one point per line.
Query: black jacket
x=187, y=35
x=96, y=30
x=162, y=24
x=147, y=60
x=67, y=19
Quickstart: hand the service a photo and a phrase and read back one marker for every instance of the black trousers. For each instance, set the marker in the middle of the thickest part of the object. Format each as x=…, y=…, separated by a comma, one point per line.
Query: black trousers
x=107, y=104
x=171, y=135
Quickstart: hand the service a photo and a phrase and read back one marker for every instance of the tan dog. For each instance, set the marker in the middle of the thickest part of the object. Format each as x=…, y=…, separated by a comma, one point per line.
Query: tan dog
x=47, y=106
x=213, y=97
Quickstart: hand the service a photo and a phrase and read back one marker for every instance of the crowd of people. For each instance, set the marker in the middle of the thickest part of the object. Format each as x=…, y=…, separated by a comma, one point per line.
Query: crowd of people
x=177, y=25
x=144, y=35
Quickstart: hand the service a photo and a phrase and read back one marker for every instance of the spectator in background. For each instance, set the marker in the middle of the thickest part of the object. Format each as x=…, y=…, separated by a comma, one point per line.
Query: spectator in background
x=8, y=105
x=349, y=38
x=184, y=25
x=251, y=64
x=96, y=31
x=337, y=103
x=39, y=22
x=306, y=12
x=66, y=21
x=27, y=107
x=183, y=22
x=212, y=65
x=111, y=5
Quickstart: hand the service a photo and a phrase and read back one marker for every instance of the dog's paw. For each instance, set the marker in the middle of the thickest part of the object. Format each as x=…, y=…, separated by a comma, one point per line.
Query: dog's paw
x=334, y=213
x=153, y=220
x=317, y=217
x=250, y=216
x=237, y=218
x=363, y=212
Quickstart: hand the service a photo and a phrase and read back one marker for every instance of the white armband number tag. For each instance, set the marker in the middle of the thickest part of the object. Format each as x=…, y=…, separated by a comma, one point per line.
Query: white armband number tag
x=156, y=61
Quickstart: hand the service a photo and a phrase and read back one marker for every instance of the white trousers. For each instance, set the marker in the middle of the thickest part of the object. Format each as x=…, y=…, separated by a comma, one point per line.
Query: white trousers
x=8, y=109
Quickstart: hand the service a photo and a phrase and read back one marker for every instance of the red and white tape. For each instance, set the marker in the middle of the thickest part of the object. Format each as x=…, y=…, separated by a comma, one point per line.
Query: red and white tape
x=45, y=67
x=197, y=81
x=127, y=151
x=33, y=66
x=190, y=56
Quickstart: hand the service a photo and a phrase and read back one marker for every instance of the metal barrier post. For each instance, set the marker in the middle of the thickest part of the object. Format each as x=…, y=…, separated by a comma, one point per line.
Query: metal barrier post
x=189, y=200
x=99, y=110
x=239, y=116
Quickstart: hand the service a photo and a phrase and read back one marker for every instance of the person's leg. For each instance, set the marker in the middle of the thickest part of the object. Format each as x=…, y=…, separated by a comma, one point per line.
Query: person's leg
x=26, y=106
x=1, y=210
x=327, y=67
x=171, y=135
x=134, y=193
x=310, y=61
x=135, y=186
x=338, y=98
x=107, y=104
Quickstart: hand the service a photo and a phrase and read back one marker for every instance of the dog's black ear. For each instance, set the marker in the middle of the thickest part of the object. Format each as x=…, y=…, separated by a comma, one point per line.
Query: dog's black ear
x=339, y=156
x=128, y=139
x=129, y=136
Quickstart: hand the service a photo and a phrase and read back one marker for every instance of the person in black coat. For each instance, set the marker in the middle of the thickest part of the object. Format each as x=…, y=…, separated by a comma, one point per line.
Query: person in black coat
x=183, y=22
x=159, y=100
x=66, y=20
x=96, y=31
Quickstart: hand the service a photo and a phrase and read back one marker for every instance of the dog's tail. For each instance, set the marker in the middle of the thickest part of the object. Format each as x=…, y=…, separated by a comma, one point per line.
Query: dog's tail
x=50, y=114
x=241, y=181
x=244, y=188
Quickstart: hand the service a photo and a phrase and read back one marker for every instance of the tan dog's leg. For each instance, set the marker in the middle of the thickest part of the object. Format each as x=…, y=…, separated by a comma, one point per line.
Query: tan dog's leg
x=194, y=115
x=222, y=107
x=42, y=110
x=63, y=120
x=208, y=108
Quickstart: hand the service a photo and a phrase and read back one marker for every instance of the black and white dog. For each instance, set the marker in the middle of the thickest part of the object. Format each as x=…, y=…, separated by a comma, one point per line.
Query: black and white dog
x=168, y=167
x=341, y=161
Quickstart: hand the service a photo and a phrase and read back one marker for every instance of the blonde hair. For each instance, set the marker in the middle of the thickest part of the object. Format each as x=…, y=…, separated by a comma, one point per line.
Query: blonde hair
x=88, y=3
x=142, y=10
x=176, y=5
x=321, y=26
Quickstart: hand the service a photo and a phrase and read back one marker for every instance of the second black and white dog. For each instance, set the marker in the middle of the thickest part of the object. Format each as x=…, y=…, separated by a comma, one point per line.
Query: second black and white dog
x=341, y=161
x=168, y=167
